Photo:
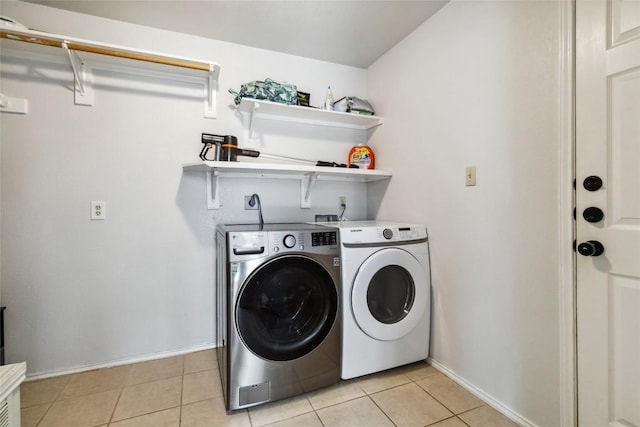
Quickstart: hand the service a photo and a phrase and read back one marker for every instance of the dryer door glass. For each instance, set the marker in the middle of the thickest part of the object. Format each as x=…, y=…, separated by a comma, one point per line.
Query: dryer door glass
x=390, y=295
x=286, y=308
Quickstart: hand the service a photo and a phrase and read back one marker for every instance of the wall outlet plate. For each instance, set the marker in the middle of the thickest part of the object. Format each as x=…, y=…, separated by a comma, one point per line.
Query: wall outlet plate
x=247, y=206
x=98, y=210
x=342, y=202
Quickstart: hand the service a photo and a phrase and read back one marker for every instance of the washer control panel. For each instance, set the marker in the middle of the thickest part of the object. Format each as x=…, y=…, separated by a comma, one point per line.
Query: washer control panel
x=253, y=244
x=307, y=241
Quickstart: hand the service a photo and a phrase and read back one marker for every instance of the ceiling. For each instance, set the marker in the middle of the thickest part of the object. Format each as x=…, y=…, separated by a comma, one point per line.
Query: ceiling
x=349, y=32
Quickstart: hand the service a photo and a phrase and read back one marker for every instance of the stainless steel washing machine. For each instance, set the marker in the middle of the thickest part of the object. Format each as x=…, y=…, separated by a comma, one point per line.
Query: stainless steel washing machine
x=278, y=328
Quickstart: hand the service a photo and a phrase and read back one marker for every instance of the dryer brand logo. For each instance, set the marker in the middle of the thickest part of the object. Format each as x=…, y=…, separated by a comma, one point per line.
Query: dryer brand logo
x=356, y=230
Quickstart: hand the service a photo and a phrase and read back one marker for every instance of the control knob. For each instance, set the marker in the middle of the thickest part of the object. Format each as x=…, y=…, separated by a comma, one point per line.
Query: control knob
x=387, y=233
x=289, y=241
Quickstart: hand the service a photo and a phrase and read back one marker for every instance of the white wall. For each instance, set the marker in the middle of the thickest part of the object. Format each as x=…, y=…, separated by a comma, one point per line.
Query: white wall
x=139, y=284
x=477, y=84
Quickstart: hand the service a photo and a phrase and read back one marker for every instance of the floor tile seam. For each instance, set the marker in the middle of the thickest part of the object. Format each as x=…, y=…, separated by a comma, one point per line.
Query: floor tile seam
x=279, y=421
x=37, y=404
x=199, y=371
x=435, y=374
x=284, y=419
x=113, y=411
x=448, y=409
x=445, y=419
x=198, y=400
x=43, y=415
x=387, y=389
x=473, y=409
x=382, y=410
x=181, y=391
x=248, y=415
x=140, y=415
x=463, y=421
x=78, y=396
x=337, y=403
x=111, y=420
x=150, y=381
x=319, y=419
x=451, y=410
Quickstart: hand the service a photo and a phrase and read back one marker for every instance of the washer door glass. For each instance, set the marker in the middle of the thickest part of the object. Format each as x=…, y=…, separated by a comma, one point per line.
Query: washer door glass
x=286, y=308
x=390, y=294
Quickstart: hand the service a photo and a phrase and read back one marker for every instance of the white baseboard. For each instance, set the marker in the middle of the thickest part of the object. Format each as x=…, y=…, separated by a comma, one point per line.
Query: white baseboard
x=112, y=363
x=495, y=404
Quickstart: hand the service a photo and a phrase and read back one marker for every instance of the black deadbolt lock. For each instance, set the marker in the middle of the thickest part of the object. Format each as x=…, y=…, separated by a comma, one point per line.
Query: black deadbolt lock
x=592, y=183
x=591, y=248
x=593, y=214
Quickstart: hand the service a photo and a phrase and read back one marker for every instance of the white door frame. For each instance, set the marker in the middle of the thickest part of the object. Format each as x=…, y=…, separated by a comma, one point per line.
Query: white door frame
x=566, y=234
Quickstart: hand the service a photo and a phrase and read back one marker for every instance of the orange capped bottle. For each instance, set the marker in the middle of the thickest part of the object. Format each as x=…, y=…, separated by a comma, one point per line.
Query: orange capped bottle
x=362, y=156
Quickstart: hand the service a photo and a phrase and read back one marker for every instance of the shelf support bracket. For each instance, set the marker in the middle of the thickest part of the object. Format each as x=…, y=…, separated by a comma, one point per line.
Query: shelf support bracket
x=305, y=189
x=255, y=108
x=83, y=90
x=213, y=188
x=211, y=94
x=248, y=125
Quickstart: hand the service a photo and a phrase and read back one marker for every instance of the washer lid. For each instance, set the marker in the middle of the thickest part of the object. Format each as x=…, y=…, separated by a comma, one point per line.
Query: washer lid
x=390, y=294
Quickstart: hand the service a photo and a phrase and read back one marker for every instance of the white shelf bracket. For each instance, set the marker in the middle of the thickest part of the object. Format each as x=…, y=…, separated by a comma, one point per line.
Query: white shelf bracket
x=83, y=89
x=248, y=125
x=305, y=189
x=211, y=94
x=255, y=108
x=213, y=188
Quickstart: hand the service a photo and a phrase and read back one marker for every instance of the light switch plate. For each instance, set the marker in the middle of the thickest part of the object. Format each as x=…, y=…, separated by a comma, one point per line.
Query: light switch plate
x=470, y=176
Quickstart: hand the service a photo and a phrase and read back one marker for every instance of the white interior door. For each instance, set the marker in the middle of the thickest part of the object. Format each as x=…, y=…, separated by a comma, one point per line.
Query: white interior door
x=608, y=146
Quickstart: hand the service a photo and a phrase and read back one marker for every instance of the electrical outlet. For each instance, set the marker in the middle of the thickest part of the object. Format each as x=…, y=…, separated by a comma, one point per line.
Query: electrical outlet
x=98, y=210
x=342, y=202
x=470, y=176
x=247, y=206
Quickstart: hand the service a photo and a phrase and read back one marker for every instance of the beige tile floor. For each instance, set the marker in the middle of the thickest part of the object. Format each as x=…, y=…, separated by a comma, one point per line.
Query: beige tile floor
x=184, y=391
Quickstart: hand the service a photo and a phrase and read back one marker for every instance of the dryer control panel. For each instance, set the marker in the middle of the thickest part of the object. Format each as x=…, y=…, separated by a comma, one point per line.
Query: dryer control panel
x=382, y=233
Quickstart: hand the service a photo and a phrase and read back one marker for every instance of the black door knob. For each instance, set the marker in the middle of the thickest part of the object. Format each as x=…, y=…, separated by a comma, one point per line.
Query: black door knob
x=592, y=183
x=591, y=248
x=593, y=214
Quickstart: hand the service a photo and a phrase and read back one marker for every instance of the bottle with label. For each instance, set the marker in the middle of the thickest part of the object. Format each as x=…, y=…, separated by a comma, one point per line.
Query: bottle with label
x=361, y=156
x=328, y=102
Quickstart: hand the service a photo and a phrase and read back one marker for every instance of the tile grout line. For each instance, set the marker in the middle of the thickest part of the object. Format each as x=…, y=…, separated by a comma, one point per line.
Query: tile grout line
x=45, y=413
x=181, y=392
x=55, y=399
x=445, y=406
x=382, y=410
x=113, y=411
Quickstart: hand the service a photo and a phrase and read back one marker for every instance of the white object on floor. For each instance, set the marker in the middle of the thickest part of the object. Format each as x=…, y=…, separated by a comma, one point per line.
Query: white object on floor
x=11, y=376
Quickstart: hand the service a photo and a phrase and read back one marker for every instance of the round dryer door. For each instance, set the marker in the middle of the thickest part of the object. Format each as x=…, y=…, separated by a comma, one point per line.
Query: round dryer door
x=286, y=308
x=390, y=294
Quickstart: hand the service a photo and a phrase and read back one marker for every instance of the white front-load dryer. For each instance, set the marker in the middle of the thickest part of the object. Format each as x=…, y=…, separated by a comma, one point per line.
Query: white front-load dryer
x=386, y=296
